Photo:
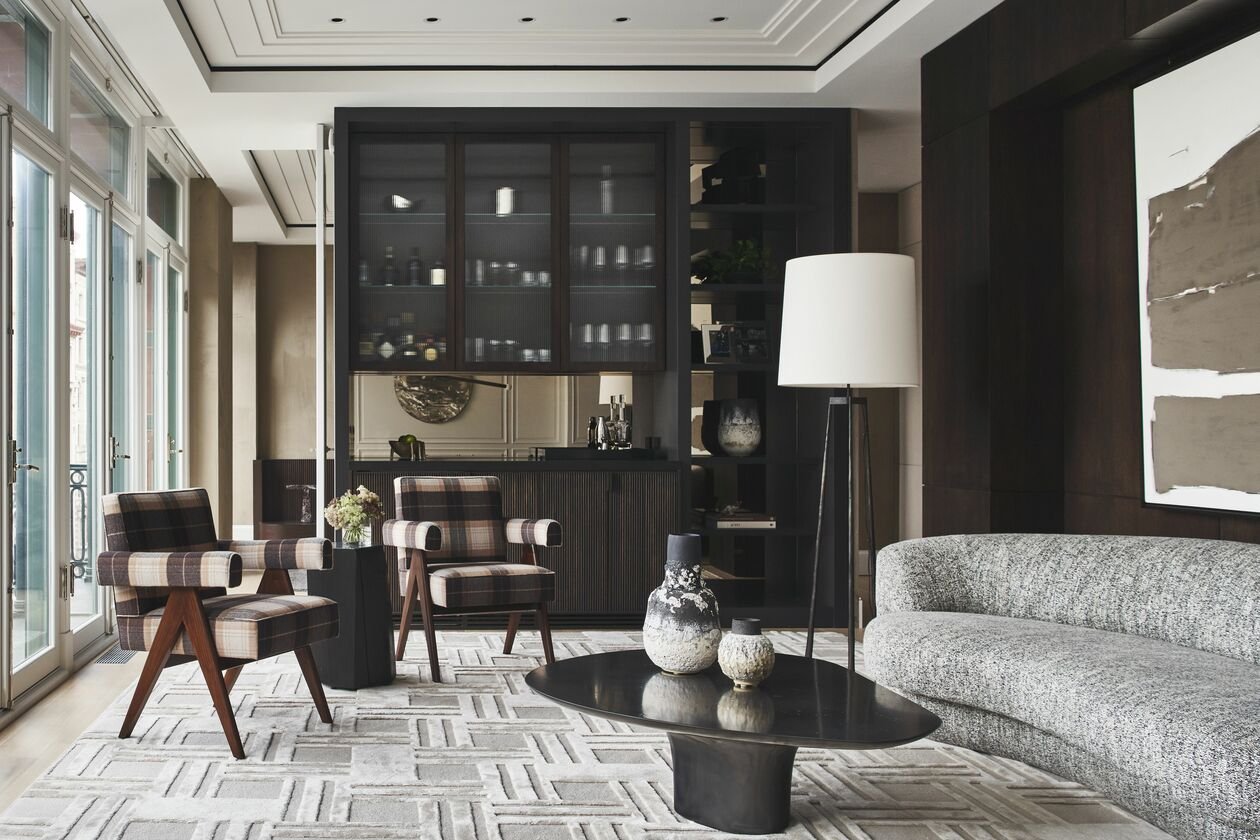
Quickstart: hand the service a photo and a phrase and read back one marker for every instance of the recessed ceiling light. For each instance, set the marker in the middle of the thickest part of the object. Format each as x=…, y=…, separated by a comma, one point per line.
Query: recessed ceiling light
x=527, y=20
x=431, y=20
x=336, y=20
x=718, y=19
x=622, y=19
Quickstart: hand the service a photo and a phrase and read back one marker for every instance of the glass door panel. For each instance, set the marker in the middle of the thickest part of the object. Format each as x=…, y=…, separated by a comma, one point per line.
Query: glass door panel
x=121, y=400
x=174, y=377
x=87, y=411
x=400, y=255
x=616, y=278
x=29, y=502
x=507, y=291
x=154, y=456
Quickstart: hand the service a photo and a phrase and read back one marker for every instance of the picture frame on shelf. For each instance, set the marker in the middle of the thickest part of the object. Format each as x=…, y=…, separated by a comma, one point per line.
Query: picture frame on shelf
x=747, y=343
x=718, y=342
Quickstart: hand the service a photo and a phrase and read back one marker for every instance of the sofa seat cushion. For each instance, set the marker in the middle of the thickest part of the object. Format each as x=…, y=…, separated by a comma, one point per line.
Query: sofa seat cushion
x=1187, y=721
x=244, y=626
x=493, y=585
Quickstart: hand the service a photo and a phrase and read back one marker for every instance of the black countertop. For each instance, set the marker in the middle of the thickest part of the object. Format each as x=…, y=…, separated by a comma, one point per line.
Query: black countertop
x=474, y=464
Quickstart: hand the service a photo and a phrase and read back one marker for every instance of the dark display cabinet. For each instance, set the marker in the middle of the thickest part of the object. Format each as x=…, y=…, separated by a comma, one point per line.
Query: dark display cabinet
x=519, y=251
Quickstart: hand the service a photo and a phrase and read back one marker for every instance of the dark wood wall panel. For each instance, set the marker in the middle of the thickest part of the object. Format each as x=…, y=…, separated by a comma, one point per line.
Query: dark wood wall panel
x=955, y=81
x=1030, y=240
x=955, y=308
x=1102, y=393
x=1032, y=41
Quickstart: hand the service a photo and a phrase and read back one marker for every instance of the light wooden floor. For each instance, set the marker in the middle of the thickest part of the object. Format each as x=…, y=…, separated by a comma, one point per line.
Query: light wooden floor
x=34, y=741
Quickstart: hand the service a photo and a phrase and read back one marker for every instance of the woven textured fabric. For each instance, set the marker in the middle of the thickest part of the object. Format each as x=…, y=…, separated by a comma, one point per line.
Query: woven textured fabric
x=1203, y=594
x=467, y=509
x=544, y=532
x=403, y=534
x=245, y=626
x=503, y=584
x=170, y=520
x=1185, y=721
x=198, y=569
x=995, y=735
x=302, y=553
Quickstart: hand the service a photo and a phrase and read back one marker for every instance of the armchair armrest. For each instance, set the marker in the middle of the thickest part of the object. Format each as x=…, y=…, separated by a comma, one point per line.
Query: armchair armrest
x=404, y=533
x=544, y=532
x=302, y=553
x=168, y=569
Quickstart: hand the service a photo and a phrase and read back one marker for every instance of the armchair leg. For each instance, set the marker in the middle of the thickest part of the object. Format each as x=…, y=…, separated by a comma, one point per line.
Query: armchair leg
x=159, y=652
x=509, y=638
x=430, y=634
x=544, y=630
x=230, y=676
x=306, y=660
x=409, y=606
x=208, y=658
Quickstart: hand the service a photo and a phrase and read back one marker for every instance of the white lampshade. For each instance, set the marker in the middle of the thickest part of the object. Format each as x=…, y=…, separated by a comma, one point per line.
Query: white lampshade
x=849, y=319
x=616, y=384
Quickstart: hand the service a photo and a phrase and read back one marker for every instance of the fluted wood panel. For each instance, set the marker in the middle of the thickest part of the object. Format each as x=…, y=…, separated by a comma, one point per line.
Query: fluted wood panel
x=646, y=512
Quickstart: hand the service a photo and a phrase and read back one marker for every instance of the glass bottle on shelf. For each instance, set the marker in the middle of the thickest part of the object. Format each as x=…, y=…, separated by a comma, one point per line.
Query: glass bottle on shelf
x=415, y=269
x=389, y=272
x=606, y=190
x=365, y=273
x=437, y=274
x=389, y=344
x=407, y=346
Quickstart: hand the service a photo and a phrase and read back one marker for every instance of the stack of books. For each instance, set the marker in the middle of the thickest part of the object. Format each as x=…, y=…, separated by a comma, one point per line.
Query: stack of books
x=740, y=519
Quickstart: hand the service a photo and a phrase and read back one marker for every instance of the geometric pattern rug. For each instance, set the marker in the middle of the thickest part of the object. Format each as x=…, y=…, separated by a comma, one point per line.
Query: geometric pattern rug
x=480, y=757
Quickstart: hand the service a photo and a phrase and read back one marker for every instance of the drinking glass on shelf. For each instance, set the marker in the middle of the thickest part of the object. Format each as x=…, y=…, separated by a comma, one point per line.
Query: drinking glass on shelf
x=643, y=337
x=496, y=273
x=621, y=259
x=479, y=349
x=512, y=271
x=603, y=337
x=582, y=254
x=599, y=259
x=544, y=278
x=625, y=339
x=544, y=355
x=528, y=278
x=648, y=260
x=479, y=273
x=529, y=354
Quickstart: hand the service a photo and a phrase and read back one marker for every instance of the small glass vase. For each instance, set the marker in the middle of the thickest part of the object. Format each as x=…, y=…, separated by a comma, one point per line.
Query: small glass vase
x=357, y=538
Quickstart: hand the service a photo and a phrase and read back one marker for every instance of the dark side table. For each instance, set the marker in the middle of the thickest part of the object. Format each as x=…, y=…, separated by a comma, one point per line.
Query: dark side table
x=363, y=654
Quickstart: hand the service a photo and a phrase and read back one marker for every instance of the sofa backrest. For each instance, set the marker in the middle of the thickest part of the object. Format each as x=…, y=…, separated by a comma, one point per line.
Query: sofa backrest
x=1203, y=594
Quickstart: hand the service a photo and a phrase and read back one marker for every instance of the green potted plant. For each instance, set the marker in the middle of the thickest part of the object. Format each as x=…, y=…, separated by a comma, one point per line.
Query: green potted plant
x=745, y=262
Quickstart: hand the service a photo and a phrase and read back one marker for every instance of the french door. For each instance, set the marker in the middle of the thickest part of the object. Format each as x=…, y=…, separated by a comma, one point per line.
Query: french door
x=89, y=363
x=30, y=543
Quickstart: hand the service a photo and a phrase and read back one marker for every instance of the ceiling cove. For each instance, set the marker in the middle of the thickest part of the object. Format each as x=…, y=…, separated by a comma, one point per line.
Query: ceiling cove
x=556, y=35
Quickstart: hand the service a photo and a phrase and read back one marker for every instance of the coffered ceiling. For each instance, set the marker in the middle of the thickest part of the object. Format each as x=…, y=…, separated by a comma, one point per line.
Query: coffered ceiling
x=246, y=82
x=555, y=33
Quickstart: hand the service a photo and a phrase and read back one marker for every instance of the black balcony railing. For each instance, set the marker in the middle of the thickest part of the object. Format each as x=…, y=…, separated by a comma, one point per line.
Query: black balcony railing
x=80, y=523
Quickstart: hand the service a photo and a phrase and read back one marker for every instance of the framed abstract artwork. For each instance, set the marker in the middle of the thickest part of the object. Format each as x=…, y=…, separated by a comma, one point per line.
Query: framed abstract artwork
x=1197, y=149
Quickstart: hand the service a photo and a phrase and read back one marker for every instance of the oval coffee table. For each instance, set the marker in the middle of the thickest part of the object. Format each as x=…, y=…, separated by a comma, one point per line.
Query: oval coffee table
x=734, y=750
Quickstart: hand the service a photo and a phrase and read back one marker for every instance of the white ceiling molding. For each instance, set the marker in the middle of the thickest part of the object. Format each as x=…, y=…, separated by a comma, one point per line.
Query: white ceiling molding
x=251, y=104
x=397, y=33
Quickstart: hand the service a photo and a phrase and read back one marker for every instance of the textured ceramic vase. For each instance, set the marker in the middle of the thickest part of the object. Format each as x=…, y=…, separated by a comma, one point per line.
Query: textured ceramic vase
x=739, y=429
x=746, y=656
x=681, y=631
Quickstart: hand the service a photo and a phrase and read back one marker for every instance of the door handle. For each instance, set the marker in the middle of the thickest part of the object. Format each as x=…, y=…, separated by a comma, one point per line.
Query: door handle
x=26, y=467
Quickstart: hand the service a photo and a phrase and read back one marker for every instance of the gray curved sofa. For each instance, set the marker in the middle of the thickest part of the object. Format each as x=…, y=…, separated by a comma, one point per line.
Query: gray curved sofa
x=1128, y=664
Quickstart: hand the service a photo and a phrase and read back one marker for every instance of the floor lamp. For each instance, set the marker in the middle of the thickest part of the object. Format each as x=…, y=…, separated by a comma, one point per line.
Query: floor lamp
x=849, y=321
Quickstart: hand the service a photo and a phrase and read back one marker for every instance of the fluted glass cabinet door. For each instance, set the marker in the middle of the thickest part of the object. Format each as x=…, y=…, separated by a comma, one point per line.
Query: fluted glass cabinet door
x=508, y=278
x=616, y=271
x=400, y=253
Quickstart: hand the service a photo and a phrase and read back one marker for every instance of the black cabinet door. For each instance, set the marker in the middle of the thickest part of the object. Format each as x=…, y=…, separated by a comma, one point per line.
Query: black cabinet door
x=645, y=511
x=614, y=301
x=400, y=250
x=507, y=243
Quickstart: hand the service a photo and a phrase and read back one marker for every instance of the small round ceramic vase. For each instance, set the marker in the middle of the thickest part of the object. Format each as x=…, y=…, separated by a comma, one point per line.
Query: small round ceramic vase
x=746, y=656
x=739, y=427
x=681, y=631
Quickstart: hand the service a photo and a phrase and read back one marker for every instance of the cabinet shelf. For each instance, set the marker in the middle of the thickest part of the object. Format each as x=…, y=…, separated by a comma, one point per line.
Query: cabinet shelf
x=402, y=290
x=715, y=292
x=595, y=288
x=734, y=367
x=402, y=218
x=508, y=290
x=751, y=209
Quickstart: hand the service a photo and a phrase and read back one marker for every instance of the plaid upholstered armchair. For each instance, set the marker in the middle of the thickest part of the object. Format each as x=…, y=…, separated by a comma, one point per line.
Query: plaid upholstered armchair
x=169, y=573
x=452, y=557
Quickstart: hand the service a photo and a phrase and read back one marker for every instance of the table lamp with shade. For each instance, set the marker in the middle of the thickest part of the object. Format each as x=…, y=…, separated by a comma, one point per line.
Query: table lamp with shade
x=849, y=321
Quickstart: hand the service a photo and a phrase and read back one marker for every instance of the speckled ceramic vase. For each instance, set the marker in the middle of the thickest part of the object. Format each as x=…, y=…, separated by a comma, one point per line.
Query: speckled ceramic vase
x=739, y=428
x=746, y=656
x=681, y=631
